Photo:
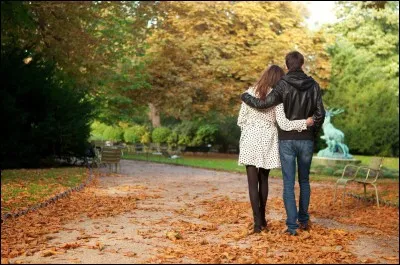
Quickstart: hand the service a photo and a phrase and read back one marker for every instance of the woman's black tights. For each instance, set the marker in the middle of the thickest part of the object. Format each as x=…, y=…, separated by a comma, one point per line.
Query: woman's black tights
x=258, y=192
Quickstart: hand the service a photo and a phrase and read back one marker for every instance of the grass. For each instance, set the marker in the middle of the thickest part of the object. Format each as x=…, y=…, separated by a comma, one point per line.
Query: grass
x=230, y=164
x=388, y=188
x=224, y=164
x=389, y=162
x=22, y=188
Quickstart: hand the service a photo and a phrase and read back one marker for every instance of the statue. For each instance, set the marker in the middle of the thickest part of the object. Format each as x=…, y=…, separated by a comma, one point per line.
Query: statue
x=334, y=138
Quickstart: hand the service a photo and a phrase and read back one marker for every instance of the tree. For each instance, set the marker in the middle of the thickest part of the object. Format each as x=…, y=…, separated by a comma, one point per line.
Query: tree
x=44, y=116
x=202, y=55
x=95, y=43
x=365, y=76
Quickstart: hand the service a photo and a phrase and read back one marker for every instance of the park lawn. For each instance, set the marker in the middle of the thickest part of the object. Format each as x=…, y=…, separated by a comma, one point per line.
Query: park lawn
x=389, y=162
x=223, y=164
x=230, y=164
x=387, y=188
x=22, y=188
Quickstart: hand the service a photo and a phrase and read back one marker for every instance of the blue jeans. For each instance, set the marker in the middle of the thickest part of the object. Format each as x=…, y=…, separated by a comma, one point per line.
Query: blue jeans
x=289, y=151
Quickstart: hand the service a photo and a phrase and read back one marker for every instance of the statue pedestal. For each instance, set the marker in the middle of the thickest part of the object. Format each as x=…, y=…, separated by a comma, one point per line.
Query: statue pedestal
x=326, y=161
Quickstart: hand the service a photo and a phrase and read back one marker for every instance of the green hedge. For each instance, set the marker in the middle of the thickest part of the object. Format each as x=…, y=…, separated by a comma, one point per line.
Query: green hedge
x=160, y=135
x=134, y=133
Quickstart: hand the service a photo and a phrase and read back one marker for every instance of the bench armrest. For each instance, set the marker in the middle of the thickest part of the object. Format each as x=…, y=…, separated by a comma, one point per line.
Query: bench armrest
x=348, y=166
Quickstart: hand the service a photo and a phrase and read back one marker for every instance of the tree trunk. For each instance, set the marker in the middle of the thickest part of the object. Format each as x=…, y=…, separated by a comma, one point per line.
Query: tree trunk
x=154, y=115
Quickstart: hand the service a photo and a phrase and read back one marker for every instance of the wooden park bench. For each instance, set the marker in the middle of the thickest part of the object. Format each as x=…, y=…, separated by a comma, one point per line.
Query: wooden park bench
x=111, y=156
x=370, y=178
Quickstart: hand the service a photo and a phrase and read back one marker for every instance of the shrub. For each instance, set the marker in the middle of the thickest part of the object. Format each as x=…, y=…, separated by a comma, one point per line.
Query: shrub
x=338, y=172
x=206, y=134
x=134, y=133
x=228, y=132
x=389, y=173
x=173, y=139
x=160, y=135
x=113, y=133
x=328, y=171
x=186, y=132
x=97, y=130
x=146, y=138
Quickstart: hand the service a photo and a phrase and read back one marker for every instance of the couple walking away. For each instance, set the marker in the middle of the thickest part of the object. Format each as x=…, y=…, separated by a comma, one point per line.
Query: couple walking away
x=294, y=102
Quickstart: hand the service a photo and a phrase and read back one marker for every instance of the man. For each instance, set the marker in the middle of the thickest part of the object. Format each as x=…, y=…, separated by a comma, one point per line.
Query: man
x=301, y=97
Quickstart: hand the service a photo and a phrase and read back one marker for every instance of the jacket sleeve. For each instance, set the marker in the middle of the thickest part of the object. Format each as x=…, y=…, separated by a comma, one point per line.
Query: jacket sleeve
x=288, y=125
x=319, y=114
x=272, y=99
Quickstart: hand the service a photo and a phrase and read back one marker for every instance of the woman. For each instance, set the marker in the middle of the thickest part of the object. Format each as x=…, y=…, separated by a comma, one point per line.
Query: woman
x=259, y=150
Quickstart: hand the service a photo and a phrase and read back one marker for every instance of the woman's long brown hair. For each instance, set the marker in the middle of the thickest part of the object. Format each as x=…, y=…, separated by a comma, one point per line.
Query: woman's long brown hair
x=269, y=79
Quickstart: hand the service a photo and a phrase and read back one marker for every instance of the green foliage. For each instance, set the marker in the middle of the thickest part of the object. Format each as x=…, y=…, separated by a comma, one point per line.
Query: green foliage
x=134, y=133
x=96, y=43
x=45, y=114
x=205, y=134
x=186, y=131
x=97, y=130
x=390, y=173
x=364, y=82
x=146, y=138
x=160, y=135
x=113, y=133
x=228, y=131
x=172, y=140
x=328, y=171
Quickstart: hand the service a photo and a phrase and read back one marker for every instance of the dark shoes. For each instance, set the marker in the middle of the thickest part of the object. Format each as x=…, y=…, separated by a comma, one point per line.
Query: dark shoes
x=304, y=226
x=290, y=232
x=257, y=229
x=264, y=225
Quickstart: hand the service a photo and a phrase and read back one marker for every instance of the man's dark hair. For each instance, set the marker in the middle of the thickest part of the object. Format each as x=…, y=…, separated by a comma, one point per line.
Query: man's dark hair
x=294, y=60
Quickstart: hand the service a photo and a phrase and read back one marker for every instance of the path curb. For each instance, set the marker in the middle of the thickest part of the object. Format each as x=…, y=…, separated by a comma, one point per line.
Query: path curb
x=53, y=199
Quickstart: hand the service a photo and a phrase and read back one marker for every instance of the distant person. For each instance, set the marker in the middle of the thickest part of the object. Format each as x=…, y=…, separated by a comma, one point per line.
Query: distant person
x=301, y=98
x=259, y=142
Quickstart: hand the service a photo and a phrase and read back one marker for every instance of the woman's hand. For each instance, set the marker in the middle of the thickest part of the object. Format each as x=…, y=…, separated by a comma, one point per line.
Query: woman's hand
x=310, y=121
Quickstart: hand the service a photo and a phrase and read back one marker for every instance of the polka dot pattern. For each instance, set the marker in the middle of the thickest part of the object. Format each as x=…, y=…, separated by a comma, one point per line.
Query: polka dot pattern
x=259, y=135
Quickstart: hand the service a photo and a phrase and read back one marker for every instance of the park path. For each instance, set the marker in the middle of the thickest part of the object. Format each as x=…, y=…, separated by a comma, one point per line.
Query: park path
x=175, y=197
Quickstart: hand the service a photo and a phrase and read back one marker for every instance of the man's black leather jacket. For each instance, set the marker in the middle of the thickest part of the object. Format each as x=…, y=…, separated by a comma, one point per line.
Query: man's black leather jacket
x=301, y=98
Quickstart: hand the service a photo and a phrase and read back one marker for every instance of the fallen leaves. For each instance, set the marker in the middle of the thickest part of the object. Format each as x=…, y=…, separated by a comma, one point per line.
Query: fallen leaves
x=353, y=212
x=368, y=260
x=71, y=245
x=130, y=254
x=34, y=228
x=173, y=235
x=225, y=239
x=100, y=246
x=48, y=253
x=390, y=258
x=217, y=233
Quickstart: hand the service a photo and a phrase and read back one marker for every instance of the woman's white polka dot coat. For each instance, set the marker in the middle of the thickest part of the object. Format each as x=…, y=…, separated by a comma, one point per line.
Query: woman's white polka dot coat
x=259, y=134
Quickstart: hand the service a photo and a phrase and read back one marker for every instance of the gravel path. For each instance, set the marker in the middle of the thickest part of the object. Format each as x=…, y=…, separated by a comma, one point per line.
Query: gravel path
x=138, y=236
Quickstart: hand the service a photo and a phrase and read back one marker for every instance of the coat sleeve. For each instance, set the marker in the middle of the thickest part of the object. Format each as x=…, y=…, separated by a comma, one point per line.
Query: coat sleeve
x=272, y=99
x=288, y=125
x=242, y=119
x=319, y=114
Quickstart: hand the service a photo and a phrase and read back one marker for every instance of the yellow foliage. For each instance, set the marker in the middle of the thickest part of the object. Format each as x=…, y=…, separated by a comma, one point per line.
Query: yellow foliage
x=202, y=55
